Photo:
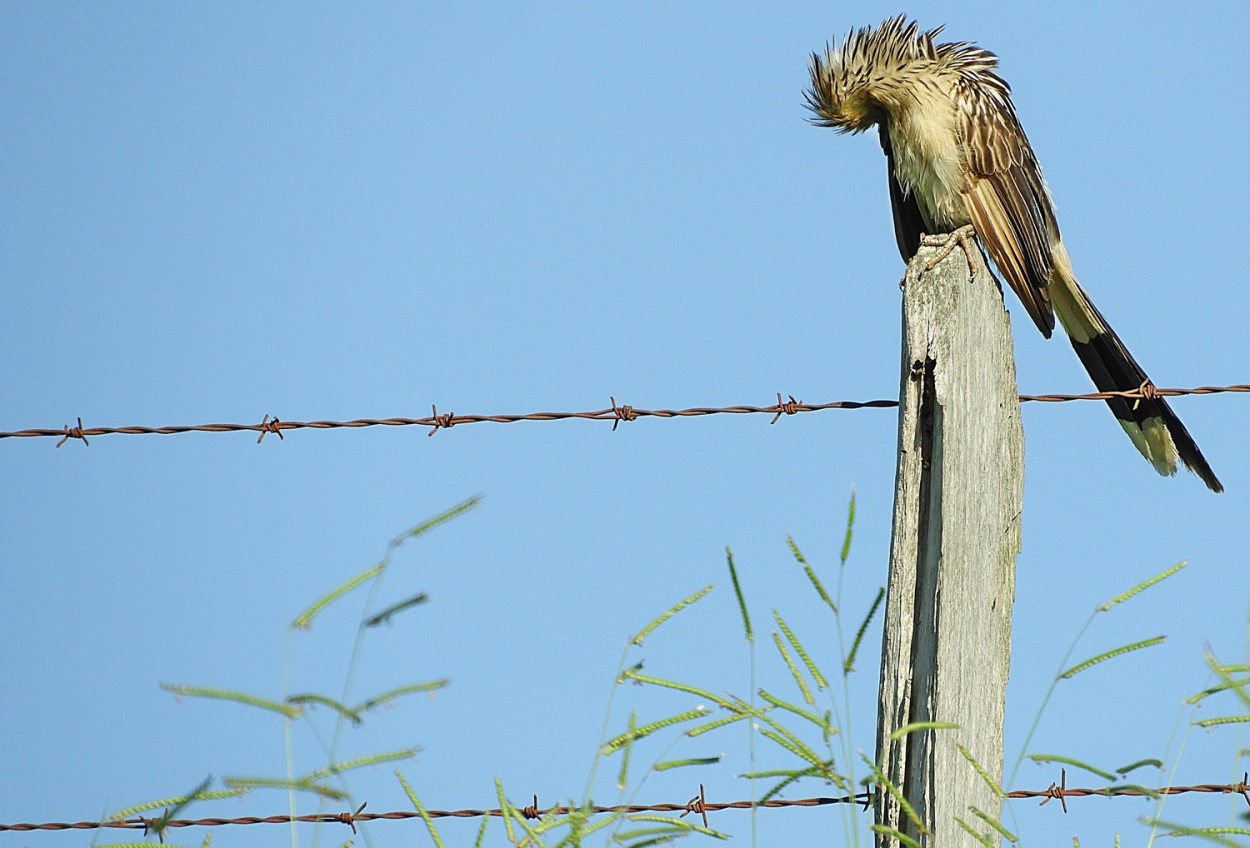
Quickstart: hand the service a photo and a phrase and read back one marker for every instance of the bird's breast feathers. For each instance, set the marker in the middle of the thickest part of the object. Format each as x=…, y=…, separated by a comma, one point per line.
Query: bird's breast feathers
x=927, y=159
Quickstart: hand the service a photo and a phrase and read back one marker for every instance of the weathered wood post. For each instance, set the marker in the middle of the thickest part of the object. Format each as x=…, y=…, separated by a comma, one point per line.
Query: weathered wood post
x=956, y=535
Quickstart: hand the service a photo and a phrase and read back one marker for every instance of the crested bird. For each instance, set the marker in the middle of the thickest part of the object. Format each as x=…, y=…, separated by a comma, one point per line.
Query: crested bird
x=957, y=157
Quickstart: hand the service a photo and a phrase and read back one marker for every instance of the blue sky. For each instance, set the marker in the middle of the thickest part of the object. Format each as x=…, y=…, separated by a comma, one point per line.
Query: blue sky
x=213, y=212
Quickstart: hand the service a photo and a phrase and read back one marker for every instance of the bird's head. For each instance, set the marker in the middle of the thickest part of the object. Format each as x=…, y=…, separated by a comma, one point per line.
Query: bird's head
x=835, y=104
x=855, y=81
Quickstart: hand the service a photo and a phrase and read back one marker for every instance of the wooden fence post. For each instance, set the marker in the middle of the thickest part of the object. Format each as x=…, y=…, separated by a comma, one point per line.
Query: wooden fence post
x=956, y=535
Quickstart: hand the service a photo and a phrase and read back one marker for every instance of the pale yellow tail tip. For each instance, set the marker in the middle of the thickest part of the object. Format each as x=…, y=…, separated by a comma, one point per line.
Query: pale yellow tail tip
x=1155, y=443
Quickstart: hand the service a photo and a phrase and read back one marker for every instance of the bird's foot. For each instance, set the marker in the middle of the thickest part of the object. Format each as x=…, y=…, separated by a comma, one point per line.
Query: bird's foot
x=961, y=237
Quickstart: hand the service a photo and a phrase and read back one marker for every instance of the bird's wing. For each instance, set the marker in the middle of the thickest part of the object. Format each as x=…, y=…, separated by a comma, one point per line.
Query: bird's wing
x=1006, y=198
x=908, y=223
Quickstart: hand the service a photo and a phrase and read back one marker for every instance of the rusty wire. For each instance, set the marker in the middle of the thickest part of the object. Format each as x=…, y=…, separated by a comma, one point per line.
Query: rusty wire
x=697, y=805
x=616, y=413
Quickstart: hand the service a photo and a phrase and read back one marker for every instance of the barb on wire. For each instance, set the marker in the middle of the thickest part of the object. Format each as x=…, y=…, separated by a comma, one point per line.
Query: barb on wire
x=73, y=433
x=698, y=804
x=622, y=413
x=616, y=413
x=532, y=812
x=267, y=427
x=349, y=818
x=445, y=421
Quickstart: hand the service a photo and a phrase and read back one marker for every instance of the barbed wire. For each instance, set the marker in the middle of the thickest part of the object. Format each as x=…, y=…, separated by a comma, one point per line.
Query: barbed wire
x=616, y=413
x=698, y=805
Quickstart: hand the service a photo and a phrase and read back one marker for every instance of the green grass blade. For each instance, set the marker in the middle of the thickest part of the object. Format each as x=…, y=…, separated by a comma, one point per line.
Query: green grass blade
x=517, y=819
x=897, y=794
x=1055, y=758
x=828, y=730
x=572, y=839
x=717, y=724
x=400, y=691
x=794, y=671
x=983, y=774
x=631, y=674
x=1226, y=672
x=425, y=816
x=823, y=724
x=309, y=698
x=161, y=822
x=646, y=837
x=1233, y=685
x=786, y=738
x=740, y=706
x=441, y=518
x=996, y=824
x=1123, y=770
x=617, y=742
x=481, y=832
x=742, y=603
x=811, y=575
x=894, y=834
x=1217, y=835
x=359, y=762
x=981, y=838
x=693, y=761
x=820, y=588
x=849, y=665
x=583, y=826
x=1223, y=720
x=622, y=776
x=787, y=773
x=1213, y=833
x=676, y=823
x=794, y=550
x=230, y=695
x=798, y=649
x=850, y=526
x=552, y=822
x=801, y=751
x=304, y=620
x=504, y=807
x=921, y=725
x=1143, y=586
x=633, y=669
x=385, y=615
x=282, y=783
x=1133, y=789
x=177, y=799
x=1115, y=652
x=670, y=612
x=824, y=771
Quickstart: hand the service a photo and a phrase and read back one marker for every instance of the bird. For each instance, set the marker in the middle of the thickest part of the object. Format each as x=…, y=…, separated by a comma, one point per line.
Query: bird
x=958, y=158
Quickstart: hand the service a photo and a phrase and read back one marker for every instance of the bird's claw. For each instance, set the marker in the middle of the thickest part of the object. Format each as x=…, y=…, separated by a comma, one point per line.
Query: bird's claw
x=947, y=241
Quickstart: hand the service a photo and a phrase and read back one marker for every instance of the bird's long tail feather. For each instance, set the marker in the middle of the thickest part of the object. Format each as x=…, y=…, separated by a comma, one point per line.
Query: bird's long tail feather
x=1152, y=425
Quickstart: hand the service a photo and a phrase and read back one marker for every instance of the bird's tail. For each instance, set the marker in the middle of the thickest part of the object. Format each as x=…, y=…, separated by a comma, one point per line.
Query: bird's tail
x=1149, y=422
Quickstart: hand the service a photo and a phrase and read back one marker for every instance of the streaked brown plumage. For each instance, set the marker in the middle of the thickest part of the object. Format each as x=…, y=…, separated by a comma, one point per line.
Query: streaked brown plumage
x=957, y=155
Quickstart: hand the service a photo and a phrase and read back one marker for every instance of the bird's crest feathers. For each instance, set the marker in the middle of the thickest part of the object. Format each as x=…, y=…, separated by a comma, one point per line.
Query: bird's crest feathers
x=854, y=82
